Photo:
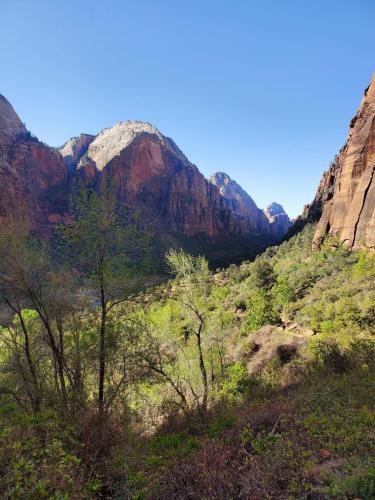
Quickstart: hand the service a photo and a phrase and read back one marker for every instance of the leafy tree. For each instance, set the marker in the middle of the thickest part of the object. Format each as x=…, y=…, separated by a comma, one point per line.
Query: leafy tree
x=103, y=250
x=264, y=275
x=260, y=311
x=194, y=277
x=28, y=280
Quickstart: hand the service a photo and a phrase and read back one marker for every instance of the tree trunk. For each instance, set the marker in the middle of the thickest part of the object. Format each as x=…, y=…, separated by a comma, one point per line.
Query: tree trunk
x=202, y=368
x=59, y=358
x=30, y=362
x=102, y=348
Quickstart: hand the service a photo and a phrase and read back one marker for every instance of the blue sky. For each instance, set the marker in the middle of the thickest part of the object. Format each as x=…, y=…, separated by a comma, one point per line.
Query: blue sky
x=263, y=90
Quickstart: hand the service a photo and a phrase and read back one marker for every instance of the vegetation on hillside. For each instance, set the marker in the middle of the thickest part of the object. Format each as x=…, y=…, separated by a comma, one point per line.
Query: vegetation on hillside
x=254, y=381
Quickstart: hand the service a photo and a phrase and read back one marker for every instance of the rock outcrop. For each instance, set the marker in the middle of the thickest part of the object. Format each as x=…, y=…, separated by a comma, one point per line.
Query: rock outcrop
x=154, y=178
x=74, y=149
x=240, y=202
x=345, y=201
x=32, y=175
x=278, y=219
x=154, y=183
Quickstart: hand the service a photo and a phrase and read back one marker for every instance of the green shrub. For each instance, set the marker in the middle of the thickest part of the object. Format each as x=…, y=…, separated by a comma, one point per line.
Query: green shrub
x=260, y=311
x=263, y=274
x=223, y=423
x=174, y=444
x=282, y=291
x=331, y=355
x=361, y=485
x=236, y=382
x=258, y=443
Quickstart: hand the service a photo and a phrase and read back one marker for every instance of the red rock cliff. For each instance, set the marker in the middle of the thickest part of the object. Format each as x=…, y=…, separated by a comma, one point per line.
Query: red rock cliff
x=32, y=175
x=346, y=193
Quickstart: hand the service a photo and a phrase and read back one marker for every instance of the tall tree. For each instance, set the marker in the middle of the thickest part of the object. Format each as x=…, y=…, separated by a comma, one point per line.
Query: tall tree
x=28, y=280
x=194, y=276
x=103, y=249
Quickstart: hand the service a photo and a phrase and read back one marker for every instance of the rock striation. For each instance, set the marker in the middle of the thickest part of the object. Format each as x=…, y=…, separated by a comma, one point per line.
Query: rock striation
x=345, y=201
x=273, y=220
x=278, y=219
x=154, y=183
x=240, y=202
x=33, y=176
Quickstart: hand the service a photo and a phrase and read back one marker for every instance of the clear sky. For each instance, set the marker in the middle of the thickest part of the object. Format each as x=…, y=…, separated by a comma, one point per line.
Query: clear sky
x=263, y=90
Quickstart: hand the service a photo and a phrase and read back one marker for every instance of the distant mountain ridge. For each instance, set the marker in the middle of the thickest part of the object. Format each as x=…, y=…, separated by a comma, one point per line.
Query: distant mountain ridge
x=150, y=174
x=272, y=220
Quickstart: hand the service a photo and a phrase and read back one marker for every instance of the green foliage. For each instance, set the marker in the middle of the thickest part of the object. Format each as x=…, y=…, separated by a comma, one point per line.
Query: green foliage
x=365, y=267
x=174, y=444
x=263, y=274
x=99, y=243
x=258, y=443
x=259, y=311
x=223, y=423
x=38, y=458
x=282, y=291
x=360, y=484
x=235, y=383
x=178, y=343
x=330, y=354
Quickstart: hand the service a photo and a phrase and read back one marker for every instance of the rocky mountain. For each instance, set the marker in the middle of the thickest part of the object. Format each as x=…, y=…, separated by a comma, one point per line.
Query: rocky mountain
x=74, y=149
x=273, y=220
x=345, y=201
x=33, y=176
x=240, y=202
x=151, y=176
x=278, y=219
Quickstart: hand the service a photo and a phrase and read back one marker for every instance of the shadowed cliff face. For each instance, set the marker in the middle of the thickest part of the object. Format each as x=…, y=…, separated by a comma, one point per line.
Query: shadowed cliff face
x=278, y=219
x=272, y=221
x=346, y=195
x=153, y=180
x=32, y=175
x=151, y=176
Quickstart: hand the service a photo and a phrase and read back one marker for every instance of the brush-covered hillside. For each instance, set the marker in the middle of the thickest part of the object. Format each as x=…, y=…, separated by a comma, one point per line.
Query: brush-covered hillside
x=254, y=381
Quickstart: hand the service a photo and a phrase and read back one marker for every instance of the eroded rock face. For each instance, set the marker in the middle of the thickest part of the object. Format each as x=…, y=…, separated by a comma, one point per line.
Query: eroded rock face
x=74, y=149
x=278, y=219
x=346, y=194
x=240, y=203
x=32, y=175
x=153, y=177
x=153, y=180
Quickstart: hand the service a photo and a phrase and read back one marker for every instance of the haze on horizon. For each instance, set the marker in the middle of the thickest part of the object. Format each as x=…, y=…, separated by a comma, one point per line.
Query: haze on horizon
x=261, y=90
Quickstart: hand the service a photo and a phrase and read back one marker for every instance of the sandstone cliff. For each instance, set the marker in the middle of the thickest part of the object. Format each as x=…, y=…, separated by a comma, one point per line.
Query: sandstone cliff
x=278, y=219
x=32, y=175
x=154, y=183
x=273, y=220
x=153, y=177
x=345, y=201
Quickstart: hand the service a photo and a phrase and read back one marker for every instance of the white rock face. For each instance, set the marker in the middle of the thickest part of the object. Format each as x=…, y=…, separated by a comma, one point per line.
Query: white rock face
x=10, y=124
x=111, y=141
x=274, y=209
x=74, y=149
x=278, y=218
x=230, y=190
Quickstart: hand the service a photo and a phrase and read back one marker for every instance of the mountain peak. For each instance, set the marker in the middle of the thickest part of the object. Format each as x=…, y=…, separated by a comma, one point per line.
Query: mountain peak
x=109, y=143
x=278, y=218
x=10, y=123
x=275, y=209
x=221, y=178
